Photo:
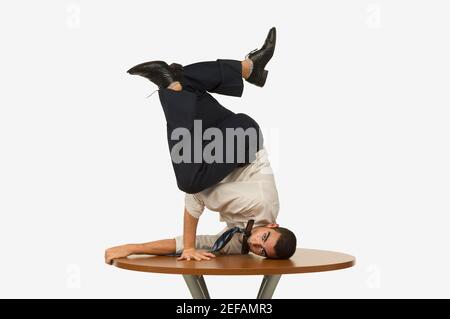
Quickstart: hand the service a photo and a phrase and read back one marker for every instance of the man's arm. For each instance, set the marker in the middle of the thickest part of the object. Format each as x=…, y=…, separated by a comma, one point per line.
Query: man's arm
x=189, y=235
x=159, y=247
x=189, y=230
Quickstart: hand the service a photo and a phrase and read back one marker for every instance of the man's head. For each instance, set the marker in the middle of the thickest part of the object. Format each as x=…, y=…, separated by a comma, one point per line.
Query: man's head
x=272, y=241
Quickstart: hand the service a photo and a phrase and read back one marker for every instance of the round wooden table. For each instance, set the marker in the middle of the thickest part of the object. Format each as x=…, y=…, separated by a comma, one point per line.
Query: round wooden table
x=303, y=261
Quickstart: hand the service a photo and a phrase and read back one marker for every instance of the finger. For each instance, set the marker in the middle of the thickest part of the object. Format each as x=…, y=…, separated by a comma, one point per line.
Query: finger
x=197, y=258
x=210, y=255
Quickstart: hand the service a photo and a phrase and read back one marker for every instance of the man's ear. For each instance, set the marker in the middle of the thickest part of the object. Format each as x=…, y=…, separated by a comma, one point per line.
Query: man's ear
x=272, y=225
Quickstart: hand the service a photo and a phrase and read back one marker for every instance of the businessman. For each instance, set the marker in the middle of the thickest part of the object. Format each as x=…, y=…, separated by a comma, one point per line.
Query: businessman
x=219, y=160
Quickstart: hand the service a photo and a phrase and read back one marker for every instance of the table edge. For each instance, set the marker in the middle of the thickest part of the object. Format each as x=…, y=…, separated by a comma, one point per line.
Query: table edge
x=235, y=271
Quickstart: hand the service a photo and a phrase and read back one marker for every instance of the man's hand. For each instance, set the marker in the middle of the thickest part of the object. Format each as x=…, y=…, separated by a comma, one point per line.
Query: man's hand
x=117, y=252
x=195, y=254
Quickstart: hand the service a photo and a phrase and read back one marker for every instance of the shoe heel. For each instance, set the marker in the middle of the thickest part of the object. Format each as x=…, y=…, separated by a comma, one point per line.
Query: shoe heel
x=263, y=78
x=177, y=67
x=177, y=71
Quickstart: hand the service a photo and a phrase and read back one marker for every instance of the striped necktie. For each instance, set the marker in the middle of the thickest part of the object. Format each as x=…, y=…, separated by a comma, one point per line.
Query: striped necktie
x=225, y=238
x=220, y=242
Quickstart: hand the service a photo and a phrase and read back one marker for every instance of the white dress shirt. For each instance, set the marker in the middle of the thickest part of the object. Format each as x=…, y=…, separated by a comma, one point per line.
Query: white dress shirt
x=248, y=192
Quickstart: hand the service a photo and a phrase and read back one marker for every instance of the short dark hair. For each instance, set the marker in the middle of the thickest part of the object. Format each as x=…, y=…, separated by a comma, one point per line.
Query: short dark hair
x=286, y=244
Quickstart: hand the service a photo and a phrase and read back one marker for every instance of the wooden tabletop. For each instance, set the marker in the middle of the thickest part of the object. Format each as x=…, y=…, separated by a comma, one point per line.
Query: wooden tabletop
x=303, y=261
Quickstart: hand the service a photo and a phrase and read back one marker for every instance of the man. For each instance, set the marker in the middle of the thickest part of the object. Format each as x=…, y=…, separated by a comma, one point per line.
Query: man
x=238, y=183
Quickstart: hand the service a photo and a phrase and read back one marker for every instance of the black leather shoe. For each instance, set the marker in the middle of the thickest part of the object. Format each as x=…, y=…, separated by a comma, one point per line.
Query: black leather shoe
x=260, y=58
x=158, y=72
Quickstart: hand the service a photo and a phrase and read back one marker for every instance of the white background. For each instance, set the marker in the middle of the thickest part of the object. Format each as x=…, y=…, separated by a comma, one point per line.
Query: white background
x=355, y=112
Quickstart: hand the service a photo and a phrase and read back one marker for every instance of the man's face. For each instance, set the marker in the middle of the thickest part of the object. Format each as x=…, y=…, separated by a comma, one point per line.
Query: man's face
x=263, y=239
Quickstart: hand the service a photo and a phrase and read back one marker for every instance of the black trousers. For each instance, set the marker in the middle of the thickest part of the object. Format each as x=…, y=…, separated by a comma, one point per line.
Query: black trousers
x=182, y=108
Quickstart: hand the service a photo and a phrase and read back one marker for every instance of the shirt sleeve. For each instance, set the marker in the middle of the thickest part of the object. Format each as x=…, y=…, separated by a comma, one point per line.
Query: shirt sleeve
x=206, y=242
x=194, y=205
x=201, y=242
